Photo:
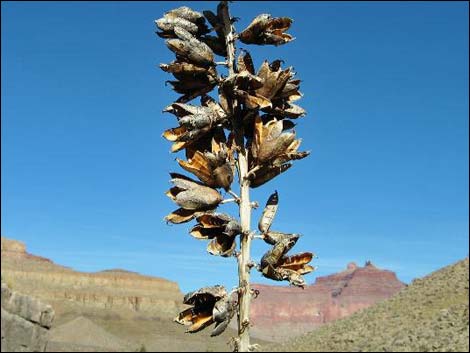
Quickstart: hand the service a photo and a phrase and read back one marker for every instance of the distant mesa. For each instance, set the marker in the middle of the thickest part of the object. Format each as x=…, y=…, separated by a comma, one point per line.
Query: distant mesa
x=114, y=289
x=430, y=315
x=279, y=312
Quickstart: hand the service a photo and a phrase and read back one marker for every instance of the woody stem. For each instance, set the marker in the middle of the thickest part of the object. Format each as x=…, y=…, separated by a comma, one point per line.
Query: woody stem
x=244, y=293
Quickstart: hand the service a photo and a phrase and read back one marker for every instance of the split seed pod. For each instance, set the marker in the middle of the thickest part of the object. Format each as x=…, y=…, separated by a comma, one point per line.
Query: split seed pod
x=272, y=237
x=192, y=197
x=272, y=144
x=265, y=29
x=267, y=173
x=221, y=228
x=195, y=122
x=243, y=86
x=213, y=168
x=193, y=80
x=279, y=267
x=208, y=305
x=183, y=17
x=269, y=213
x=189, y=47
x=281, y=89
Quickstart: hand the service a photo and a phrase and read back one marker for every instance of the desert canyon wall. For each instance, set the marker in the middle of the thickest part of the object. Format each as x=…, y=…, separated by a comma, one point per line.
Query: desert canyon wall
x=119, y=290
x=279, y=312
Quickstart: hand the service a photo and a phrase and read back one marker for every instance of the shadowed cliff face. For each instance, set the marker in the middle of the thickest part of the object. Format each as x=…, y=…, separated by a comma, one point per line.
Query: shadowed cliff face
x=280, y=312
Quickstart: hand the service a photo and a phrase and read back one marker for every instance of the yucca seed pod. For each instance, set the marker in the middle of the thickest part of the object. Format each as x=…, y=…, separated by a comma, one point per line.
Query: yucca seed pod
x=208, y=305
x=191, y=48
x=265, y=29
x=221, y=229
x=272, y=145
x=269, y=213
x=279, y=267
x=183, y=17
x=267, y=173
x=272, y=237
x=191, y=196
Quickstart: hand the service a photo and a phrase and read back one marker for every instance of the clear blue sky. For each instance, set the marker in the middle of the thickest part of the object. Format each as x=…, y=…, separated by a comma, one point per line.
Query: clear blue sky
x=84, y=167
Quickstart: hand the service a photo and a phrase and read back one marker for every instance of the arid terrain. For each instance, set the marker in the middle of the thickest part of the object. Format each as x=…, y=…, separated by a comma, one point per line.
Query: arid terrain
x=118, y=310
x=430, y=315
x=112, y=310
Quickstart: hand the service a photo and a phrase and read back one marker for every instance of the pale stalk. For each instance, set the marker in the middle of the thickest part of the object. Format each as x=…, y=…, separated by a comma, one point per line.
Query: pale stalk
x=244, y=293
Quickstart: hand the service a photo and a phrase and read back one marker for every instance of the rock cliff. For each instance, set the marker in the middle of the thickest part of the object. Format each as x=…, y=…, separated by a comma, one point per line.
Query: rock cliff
x=280, y=312
x=25, y=322
x=111, y=310
x=66, y=289
x=430, y=315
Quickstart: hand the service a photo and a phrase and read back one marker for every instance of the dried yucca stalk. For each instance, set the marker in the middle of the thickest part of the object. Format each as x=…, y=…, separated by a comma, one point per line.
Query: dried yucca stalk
x=248, y=131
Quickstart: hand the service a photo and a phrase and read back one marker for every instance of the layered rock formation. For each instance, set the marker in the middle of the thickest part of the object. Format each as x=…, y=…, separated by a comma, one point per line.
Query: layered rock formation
x=430, y=315
x=280, y=312
x=127, y=303
x=112, y=310
x=25, y=322
x=119, y=290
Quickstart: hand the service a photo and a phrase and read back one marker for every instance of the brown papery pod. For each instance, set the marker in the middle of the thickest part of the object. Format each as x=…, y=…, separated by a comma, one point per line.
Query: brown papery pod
x=265, y=29
x=213, y=168
x=269, y=213
x=273, y=257
x=272, y=237
x=269, y=140
x=168, y=24
x=245, y=62
x=267, y=173
x=290, y=154
x=184, y=68
x=224, y=310
x=191, y=195
x=188, y=14
x=191, y=48
x=200, y=314
x=216, y=44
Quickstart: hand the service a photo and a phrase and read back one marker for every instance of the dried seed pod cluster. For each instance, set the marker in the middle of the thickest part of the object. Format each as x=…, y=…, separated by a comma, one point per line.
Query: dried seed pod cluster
x=221, y=228
x=248, y=131
x=275, y=264
x=208, y=305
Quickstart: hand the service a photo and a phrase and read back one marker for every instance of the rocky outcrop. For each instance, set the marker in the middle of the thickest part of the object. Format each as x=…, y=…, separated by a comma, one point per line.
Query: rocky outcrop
x=25, y=322
x=17, y=249
x=66, y=289
x=280, y=312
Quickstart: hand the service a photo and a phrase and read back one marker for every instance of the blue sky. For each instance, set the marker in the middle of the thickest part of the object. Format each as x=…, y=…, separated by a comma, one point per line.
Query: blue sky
x=84, y=167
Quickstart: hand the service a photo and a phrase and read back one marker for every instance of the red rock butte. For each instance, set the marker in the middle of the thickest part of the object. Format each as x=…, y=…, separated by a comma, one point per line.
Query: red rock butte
x=282, y=311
